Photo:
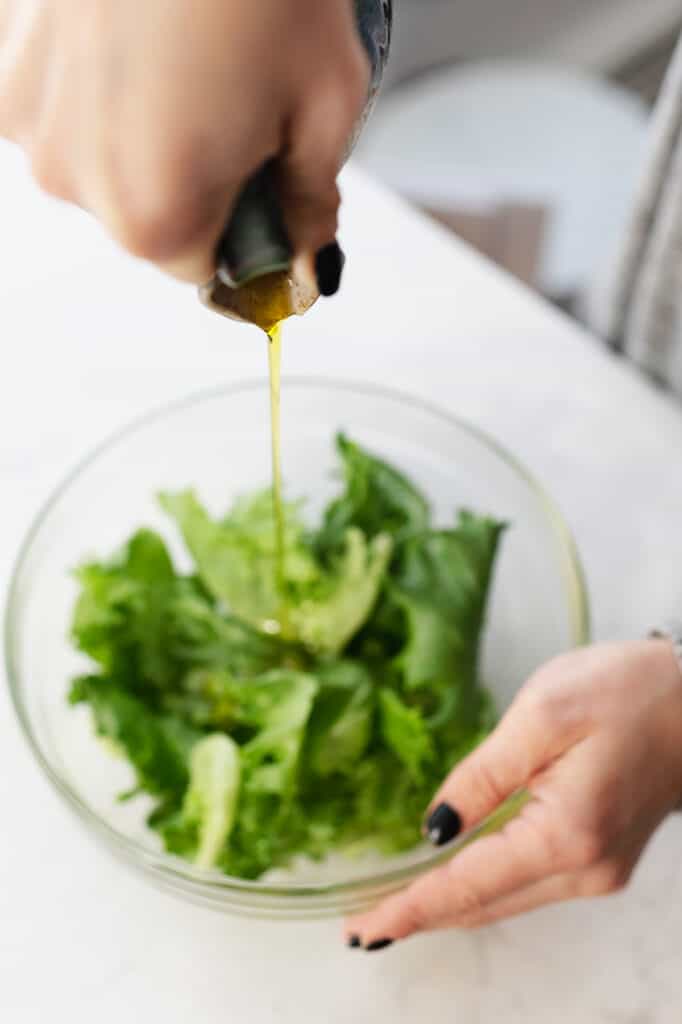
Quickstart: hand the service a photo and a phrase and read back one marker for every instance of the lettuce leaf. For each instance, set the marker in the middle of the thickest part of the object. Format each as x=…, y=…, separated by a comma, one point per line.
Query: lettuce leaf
x=201, y=829
x=236, y=561
x=200, y=635
x=344, y=599
x=406, y=733
x=235, y=558
x=146, y=626
x=377, y=499
x=281, y=705
x=259, y=747
x=269, y=714
x=442, y=589
x=118, y=616
x=157, y=745
x=341, y=725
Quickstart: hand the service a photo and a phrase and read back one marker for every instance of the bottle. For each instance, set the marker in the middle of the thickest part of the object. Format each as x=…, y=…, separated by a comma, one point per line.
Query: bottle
x=256, y=280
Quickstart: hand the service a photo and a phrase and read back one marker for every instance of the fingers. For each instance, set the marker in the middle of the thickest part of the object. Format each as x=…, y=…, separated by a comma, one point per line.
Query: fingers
x=604, y=879
x=25, y=63
x=531, y=735
x=572, y=741
x=184, y=243
x=156, y=133
x=502, y=876
x=490, y=870
x=310, y=197
x=550, y=890
x=165, y=196
x=560, y=847
x=558, y=889
x=168, y=206
x=532, y=848
x=309, y=166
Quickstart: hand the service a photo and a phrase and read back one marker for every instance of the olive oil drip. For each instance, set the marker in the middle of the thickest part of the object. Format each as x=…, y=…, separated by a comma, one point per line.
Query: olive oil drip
x=274, y=362
x=267, y=302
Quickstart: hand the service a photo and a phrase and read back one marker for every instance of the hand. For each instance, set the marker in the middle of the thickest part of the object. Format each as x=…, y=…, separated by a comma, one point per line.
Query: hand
x=152, y=115
x=596, y=737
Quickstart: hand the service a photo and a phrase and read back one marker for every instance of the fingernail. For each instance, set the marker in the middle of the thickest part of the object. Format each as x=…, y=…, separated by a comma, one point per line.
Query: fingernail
x=443, y=825
x=353, y=942
x=329, y=264
x=378, y=944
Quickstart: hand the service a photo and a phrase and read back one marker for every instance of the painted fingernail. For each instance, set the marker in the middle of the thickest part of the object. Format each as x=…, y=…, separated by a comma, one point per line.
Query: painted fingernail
x=378, y=944
x=329, y=264
x=443, y=825
x=353, y=942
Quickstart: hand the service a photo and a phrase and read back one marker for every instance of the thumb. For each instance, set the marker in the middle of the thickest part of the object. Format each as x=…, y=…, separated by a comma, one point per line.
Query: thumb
x=533, y=733
x=528, y=738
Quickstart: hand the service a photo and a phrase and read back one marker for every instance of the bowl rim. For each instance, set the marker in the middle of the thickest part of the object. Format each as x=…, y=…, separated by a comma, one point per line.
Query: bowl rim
x=174, y=869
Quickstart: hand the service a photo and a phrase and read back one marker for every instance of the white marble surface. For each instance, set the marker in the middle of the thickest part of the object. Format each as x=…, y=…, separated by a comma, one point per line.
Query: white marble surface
x=90, y=338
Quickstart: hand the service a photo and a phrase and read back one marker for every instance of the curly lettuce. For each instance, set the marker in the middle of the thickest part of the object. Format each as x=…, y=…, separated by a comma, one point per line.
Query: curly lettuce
x=262, y=736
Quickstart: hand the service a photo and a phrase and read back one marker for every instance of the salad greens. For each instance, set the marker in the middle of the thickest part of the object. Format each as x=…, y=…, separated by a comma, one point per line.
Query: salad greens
x=268, y=722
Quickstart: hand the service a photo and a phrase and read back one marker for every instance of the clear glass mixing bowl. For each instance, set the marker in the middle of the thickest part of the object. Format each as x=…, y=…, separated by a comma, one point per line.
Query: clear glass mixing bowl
x=219, y=443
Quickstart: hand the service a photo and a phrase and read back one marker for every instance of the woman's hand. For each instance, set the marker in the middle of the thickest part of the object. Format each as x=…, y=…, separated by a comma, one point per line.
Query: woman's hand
x=152, y=115
x=596, y=736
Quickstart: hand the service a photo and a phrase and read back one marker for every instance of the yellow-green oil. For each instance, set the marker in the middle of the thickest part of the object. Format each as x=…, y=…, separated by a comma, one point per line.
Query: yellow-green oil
x=274, y=361
x=267, y=302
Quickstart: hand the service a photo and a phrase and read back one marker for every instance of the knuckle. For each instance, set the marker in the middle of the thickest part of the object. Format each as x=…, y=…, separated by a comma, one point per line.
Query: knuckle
x=161, y=230
x=415, y=919
x=161, y=224
x=413, y=915
x=552, y=675
x=465, y=903
x=485, y=783
x=468, y=905
x=46, y=170
x=145, y=233
x=551, y=706
x=587, y=849
x=546, y=845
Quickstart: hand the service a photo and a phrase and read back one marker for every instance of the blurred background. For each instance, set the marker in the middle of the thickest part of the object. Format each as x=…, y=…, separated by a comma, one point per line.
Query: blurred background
x=521, y=125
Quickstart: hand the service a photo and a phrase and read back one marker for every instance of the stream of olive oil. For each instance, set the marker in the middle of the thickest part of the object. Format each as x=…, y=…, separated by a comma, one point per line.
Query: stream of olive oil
x=274, y=362
x=267, y=302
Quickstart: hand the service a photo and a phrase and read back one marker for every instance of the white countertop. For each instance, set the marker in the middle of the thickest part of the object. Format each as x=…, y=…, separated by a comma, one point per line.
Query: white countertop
x=90, y=338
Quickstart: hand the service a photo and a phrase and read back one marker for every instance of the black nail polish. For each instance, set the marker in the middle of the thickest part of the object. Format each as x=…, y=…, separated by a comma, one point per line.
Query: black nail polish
x=378, y=944
x=329, y=264
x=354, y=942
x=443, y=825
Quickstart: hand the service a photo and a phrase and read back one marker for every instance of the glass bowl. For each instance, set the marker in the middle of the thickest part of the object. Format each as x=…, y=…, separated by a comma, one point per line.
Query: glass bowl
x=219, y=443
